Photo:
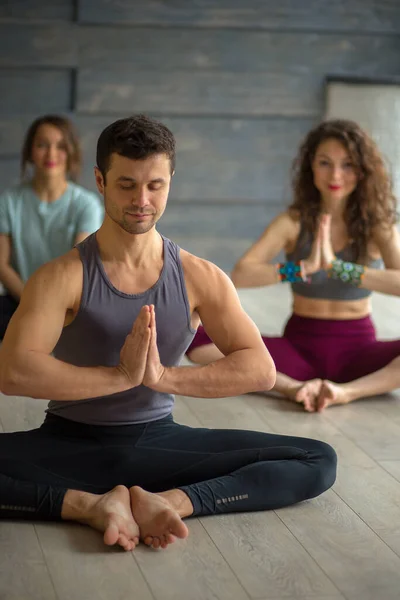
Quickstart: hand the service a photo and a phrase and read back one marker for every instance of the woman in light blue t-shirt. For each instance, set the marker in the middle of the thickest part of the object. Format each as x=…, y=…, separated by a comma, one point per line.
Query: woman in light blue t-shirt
x=47, y=213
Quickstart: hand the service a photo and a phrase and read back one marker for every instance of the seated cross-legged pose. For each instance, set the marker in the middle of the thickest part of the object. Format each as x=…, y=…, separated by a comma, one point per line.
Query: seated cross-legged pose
x=46, y=214
x=336, y=234
x=109, y=453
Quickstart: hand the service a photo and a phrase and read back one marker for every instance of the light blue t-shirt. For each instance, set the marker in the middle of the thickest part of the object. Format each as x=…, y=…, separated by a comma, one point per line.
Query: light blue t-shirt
x=41, y=231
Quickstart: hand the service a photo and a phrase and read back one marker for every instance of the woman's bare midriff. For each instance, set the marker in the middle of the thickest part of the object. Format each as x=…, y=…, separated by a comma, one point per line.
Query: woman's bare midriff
x=340, y=310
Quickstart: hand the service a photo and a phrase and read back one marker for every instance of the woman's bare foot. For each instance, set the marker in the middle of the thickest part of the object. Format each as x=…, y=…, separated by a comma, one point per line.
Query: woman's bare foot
x=307, y=394
x=331, y=393
x=159, y=523
x=109, y=513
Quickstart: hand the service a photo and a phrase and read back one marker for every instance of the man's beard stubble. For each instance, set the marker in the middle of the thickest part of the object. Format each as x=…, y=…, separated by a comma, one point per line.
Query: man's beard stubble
x=128, y=224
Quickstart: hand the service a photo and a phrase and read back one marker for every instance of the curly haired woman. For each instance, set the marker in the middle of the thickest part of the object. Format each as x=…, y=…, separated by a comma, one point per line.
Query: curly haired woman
x=336, y=234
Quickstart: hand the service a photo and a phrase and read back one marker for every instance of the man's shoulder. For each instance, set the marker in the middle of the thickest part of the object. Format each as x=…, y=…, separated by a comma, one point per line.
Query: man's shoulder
x=200, y=269
x=65, y=266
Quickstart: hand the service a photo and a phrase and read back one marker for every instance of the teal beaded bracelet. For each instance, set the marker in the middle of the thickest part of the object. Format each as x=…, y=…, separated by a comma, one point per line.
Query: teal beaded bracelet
x=291, y=272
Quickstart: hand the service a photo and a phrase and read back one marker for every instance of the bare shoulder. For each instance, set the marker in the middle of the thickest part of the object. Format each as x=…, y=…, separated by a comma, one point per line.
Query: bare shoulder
x=287, y=223
x=203, y=278
x=61, y=277
x=385, y=244
x=291, y=219
x=201, y=271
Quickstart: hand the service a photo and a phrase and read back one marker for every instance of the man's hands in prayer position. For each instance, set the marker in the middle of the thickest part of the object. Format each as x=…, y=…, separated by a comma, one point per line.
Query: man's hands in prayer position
x=139, y=357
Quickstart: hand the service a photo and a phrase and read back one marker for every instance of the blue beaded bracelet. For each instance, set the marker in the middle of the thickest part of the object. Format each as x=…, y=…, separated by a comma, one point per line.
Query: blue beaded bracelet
x=290, y=271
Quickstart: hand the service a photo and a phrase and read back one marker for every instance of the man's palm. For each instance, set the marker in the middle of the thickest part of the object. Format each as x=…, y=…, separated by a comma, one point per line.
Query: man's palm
x=154, y=369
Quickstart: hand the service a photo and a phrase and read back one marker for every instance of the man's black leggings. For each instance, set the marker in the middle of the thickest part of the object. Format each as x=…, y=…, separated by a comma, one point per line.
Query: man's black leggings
x=221, y=470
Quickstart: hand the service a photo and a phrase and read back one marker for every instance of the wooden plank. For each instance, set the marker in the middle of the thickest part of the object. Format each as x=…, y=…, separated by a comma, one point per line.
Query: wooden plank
x=335, y=597
x=42, y=90
x=9, y=172
x=183, y=414
x=221, y=159
x=191, y=568
x=24, y=45
x=358, y=15
x=372, y=431
x=20, y=414
x=55, y=10
x=13, y=129
x=224, y=252
x=23, y=570
x=286, y=418
x=199, y=92
x=365, y=489
x=357, y=562
x=222, y=219
x=82, y=567
x=227, y=413
x=392, y=467
x=282, y=566
x=12, y=133
x=236, y=51
x=387, y=404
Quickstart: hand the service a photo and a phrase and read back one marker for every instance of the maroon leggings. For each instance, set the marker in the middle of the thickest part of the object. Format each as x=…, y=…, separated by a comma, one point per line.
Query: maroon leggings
x=328, y=349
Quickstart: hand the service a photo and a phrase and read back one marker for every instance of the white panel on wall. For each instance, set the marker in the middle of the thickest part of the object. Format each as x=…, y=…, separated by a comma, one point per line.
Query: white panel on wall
x=376, y=108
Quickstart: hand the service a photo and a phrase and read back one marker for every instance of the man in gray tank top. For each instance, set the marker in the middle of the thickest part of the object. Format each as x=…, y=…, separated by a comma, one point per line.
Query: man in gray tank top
x=101, y=332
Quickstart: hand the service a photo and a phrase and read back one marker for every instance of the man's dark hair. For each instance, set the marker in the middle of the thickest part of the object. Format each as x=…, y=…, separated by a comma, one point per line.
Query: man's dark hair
x=136, y=137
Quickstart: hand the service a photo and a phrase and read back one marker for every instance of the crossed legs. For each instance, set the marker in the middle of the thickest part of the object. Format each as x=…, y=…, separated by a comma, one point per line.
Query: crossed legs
x=372, y=369
x=141, y=482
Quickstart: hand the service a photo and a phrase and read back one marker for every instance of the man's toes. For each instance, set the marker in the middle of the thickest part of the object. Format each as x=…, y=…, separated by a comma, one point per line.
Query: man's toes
x=148, y=540
x=170, y=538
x=111, y=534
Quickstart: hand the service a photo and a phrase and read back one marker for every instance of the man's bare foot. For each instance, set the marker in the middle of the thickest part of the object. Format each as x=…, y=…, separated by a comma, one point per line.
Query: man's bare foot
x=331, y=393
x=159, y=523
x=307, y=394
x=109, y=513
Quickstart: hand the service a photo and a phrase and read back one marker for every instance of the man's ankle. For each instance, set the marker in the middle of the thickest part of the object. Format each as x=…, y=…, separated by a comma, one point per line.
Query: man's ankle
x=76, y=505
x=179, y=501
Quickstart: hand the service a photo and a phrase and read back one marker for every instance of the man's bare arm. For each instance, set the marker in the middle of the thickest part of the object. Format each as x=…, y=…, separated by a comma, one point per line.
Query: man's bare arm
x=247, y=365
x=26, y=366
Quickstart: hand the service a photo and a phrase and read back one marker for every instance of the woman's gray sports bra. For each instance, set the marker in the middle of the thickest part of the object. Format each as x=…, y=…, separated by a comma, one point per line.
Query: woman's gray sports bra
x=321, y=286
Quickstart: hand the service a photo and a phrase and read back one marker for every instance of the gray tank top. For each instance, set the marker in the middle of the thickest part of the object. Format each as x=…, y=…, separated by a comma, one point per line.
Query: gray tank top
x=321, y=286
x=98, y=332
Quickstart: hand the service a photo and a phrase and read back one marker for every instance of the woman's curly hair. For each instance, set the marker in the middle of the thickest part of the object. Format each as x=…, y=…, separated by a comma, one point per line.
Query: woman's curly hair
x=371, y=203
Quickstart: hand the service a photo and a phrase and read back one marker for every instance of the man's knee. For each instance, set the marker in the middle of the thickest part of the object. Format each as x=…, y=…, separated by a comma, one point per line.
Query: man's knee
x=326, y=471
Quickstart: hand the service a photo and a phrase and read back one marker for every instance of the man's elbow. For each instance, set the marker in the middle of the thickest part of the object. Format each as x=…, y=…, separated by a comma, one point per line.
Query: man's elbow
x=269, y=379
x=9, y=378
x=266, y=377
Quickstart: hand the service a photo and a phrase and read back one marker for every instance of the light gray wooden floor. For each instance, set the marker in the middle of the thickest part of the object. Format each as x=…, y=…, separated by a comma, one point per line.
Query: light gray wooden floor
x=343, y=545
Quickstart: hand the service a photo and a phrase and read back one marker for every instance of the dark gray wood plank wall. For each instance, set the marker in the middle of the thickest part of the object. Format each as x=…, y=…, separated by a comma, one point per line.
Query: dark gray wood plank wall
x=238, y=83
x=63, y=10
x=317, y=15
x=221, y=159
